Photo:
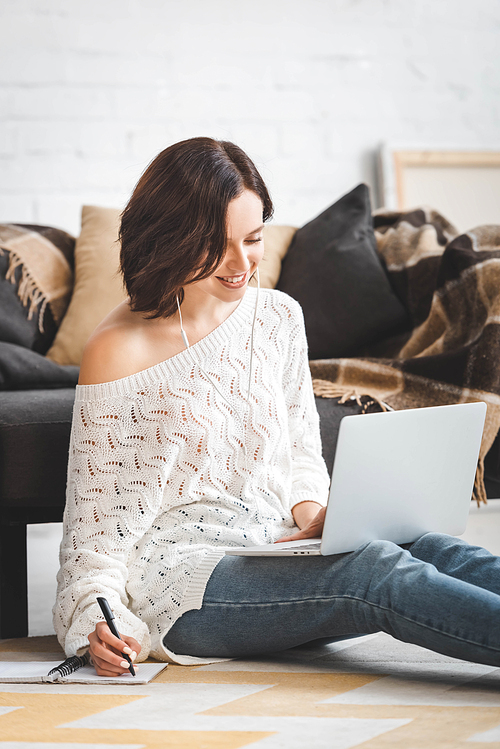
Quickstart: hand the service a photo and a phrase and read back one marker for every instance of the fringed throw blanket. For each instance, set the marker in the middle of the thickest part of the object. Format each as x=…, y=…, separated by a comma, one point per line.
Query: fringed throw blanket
x=451, y=287
x=43, y=256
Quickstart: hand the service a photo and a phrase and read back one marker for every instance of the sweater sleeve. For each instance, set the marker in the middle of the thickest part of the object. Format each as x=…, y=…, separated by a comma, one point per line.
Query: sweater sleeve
x=114, y=490
x=310, y=479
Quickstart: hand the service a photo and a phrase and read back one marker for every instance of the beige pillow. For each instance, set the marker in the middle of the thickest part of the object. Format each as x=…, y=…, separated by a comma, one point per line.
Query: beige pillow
x=277, y=240
x=98, y=285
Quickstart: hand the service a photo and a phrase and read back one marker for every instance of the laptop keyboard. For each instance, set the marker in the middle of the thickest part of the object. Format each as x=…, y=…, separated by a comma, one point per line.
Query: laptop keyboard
x=313, y=547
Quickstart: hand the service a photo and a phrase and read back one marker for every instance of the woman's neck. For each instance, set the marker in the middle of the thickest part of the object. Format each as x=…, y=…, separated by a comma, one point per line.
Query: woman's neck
x=203, y=312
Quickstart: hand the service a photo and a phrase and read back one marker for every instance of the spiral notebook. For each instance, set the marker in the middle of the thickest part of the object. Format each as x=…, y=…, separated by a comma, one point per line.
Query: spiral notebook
x=74, y=670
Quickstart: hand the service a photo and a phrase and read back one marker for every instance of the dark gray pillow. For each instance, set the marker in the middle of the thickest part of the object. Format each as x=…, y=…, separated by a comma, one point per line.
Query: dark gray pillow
x=333, y=270
x=23, y=369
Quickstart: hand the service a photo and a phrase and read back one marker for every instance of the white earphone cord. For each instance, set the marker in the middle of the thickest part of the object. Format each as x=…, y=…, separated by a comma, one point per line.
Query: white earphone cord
x=251, y=336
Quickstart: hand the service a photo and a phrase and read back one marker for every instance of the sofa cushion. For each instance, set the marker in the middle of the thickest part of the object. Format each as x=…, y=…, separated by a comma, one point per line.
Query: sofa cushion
x=35, y=428
x=333, y=270
x=23, y=369
x=36, y=280
x=277, y=241
x=98, y=284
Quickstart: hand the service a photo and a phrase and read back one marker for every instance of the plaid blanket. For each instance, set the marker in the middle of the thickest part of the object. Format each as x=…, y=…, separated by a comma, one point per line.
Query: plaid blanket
x=451, y=287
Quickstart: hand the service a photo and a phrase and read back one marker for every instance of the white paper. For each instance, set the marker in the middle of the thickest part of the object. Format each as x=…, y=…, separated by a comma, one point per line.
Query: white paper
x=37, y=671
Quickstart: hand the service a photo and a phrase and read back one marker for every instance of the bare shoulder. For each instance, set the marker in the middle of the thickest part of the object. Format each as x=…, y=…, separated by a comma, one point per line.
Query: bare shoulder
x=117, y=348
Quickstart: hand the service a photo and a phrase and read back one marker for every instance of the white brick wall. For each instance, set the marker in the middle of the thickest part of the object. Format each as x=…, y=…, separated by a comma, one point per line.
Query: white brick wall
x=91, y=91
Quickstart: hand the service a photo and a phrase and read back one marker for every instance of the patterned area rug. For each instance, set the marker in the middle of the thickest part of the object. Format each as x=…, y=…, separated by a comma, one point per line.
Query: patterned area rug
x=371, y=691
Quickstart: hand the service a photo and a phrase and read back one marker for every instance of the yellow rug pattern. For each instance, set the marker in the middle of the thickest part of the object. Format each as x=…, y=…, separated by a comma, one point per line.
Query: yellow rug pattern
x=371, y=692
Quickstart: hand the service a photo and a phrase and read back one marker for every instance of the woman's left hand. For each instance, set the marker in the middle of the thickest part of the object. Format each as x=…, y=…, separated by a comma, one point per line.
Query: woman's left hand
x=313, y=529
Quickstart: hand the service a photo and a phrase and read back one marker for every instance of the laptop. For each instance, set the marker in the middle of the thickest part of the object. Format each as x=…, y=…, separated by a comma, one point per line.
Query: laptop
x=396, y=476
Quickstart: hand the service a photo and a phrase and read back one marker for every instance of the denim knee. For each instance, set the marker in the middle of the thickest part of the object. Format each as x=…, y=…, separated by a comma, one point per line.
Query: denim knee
x=437, y=538
x=436, y=542
x=378, y=558
x=380, y=548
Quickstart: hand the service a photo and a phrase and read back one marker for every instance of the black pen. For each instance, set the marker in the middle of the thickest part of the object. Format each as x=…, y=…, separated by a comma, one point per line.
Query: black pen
x=109, y=616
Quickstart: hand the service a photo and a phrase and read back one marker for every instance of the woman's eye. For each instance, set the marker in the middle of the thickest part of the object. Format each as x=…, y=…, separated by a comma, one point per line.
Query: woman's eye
x=254, y=241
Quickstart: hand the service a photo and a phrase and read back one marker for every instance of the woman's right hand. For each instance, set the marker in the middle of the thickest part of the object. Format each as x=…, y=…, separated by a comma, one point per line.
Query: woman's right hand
x=313, y=529
x=106, y=651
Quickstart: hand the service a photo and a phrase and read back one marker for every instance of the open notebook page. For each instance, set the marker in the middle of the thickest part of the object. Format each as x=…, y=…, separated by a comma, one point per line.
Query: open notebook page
x=36, y=672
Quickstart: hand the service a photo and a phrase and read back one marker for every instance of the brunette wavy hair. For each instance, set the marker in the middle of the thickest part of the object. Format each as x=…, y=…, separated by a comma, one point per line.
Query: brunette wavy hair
x=173, y=231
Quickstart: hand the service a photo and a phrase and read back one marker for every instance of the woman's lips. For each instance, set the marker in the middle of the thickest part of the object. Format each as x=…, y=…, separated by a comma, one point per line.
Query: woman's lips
x=236, y=284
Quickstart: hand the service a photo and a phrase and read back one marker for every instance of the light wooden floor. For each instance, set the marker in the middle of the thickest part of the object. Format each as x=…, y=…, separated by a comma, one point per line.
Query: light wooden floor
x=43, y=543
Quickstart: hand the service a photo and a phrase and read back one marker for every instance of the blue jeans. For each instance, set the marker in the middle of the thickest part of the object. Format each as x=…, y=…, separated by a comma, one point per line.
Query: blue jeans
x=438, y=592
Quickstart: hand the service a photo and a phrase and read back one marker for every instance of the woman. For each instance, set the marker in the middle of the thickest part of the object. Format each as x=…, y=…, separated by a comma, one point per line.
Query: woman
x=195, y=428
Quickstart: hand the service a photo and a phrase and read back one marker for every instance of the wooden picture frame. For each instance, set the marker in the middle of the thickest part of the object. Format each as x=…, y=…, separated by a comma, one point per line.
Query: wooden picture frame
x=462, y=185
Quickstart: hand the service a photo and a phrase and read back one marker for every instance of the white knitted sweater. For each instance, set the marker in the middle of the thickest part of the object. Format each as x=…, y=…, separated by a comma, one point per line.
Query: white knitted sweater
x=164, y=471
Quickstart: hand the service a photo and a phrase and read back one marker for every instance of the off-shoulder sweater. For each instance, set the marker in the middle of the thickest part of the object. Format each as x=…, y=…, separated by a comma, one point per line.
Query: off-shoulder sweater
x=172, y=464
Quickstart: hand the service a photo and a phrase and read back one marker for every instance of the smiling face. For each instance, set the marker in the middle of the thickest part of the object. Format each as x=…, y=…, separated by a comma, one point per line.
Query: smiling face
x=244, y=251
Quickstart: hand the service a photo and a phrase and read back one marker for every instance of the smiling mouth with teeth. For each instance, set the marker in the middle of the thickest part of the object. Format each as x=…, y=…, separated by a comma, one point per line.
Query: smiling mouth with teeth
x=232, y=279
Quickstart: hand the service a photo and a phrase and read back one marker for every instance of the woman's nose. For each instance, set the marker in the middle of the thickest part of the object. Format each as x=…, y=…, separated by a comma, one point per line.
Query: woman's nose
x=237, y=258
